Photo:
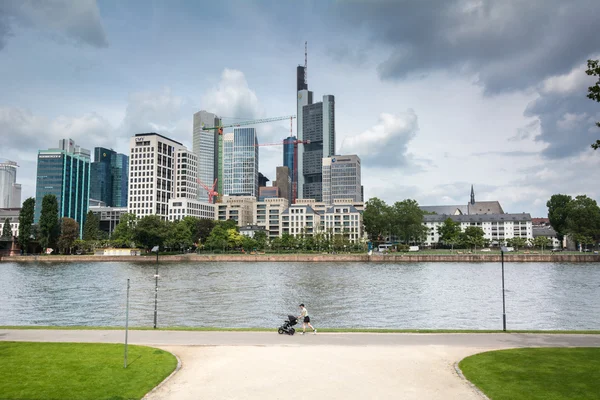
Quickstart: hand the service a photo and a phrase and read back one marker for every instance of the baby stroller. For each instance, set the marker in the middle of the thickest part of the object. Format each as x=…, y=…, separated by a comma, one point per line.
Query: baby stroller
x=287, y=326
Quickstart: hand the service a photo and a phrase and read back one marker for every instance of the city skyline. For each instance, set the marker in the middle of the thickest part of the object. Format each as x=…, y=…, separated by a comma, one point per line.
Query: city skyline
x=442, y=112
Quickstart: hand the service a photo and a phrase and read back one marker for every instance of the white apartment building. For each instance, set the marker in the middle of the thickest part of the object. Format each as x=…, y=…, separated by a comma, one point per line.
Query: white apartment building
x=300, y=220
x=186, y=207
x=343, y=220
x=341, y=178
x=267, y=214
x=160, y=169
x=497, y=228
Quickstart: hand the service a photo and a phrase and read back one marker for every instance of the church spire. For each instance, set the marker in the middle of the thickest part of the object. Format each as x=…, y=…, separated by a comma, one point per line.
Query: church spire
x=472, y=196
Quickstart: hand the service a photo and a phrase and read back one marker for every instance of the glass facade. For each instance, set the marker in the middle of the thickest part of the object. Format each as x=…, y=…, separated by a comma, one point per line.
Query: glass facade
x=240, y=163
x=318, y=126
x=66, y=176
x=288, y=155
x=109, y=177
x=206, y=145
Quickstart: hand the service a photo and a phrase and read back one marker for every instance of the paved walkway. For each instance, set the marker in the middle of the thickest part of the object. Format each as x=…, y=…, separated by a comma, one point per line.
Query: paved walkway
x=265, y=365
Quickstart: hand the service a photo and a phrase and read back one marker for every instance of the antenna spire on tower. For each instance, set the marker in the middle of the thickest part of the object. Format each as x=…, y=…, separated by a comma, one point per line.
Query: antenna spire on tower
x=306, y=63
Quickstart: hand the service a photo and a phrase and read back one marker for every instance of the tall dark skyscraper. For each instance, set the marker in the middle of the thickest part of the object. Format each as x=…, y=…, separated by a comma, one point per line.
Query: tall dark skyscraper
x=318, y=126
x=109, y=177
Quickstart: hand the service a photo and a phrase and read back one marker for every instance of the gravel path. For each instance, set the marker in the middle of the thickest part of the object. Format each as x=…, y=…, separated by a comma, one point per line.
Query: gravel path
x=265, y=365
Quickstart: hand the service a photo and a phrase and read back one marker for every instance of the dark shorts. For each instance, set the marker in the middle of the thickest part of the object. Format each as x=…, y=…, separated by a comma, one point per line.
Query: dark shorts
x=307, y=319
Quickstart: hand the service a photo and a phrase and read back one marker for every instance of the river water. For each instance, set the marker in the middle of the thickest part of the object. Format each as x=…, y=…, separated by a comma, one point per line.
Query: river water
x=403, y=296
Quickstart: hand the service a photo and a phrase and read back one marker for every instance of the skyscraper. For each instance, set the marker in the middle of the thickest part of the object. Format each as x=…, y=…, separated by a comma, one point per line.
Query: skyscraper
x=240, y=163
x=318, y=127
x=65, y=173
x=341, y=178
x=109, y=180
x=10, y=190
x=208, y=148
x=288, y=155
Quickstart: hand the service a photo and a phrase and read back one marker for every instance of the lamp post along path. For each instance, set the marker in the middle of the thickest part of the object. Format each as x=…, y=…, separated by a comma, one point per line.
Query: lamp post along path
x=155, y=249
x=502, y=250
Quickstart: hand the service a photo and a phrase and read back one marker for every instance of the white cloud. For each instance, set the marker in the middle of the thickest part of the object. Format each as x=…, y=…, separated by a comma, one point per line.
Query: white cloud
x=575, y=81
x=385, y=143
x=232, y=97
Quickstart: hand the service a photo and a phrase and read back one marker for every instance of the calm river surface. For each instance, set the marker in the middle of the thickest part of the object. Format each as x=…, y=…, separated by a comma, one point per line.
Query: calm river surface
x=424, y=295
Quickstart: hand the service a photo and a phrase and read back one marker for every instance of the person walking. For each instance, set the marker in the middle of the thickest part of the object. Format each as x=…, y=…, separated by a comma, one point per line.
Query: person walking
x=305, y=319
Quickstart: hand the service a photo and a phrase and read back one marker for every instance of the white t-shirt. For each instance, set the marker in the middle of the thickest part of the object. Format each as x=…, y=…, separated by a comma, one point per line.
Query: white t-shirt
x=304, y=312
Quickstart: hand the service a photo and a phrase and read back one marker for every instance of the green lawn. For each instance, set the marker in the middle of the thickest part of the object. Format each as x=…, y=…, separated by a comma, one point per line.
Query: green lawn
x=536, y=373
x=80, y=371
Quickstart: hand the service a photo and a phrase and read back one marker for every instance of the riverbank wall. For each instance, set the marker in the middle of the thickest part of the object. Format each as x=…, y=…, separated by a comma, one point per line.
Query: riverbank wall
x=316, y=258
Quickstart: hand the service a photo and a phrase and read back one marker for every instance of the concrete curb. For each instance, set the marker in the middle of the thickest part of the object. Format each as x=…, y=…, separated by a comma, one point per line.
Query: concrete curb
x=167, y=378
x=475, y=388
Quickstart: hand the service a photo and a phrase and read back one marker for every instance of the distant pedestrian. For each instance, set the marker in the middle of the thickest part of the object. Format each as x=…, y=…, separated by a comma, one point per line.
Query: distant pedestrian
x=305, y=319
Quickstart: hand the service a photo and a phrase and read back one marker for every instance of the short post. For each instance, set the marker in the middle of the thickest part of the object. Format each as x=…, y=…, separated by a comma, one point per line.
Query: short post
x=126, y=322
x=502, y=249
x=156, y=248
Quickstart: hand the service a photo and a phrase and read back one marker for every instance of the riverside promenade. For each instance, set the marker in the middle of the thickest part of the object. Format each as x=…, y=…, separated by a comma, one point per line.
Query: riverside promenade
x=312, y=257
x=265, y=365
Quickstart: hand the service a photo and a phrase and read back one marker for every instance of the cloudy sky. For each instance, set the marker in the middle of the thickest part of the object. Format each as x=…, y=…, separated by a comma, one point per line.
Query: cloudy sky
x=433, y=95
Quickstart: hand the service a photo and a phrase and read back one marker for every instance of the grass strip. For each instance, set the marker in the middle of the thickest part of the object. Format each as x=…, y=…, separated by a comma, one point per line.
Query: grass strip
x=80, y=371
x=536, y=373
x=330, y=330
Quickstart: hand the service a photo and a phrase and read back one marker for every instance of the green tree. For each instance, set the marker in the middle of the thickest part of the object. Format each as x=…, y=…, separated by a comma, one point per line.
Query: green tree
x=288, y=242
x=248, y=243
x=25, y=222
x=449, y=232
x=583, y=218
x=594, y=91
x=200, y=228
x=91, y=227
x=179, y=236
x=407, y=221
x=234, y=238
x=473, y=237
x=124, y=233
x=150, y=231
x=6, y=231
x=558, y=207
x=49, y=225
x=541, y=242
x=217, y=238
x=517, y=242
x=376, y=219
x=261, y=239
x=69, y=232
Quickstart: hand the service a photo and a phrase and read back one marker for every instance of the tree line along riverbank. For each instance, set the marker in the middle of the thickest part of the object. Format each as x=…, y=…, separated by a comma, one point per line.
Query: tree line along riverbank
x=376, y=258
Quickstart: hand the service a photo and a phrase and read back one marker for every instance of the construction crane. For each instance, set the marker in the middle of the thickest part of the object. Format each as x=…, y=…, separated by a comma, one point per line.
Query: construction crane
x=209, y=190
x=295, y=143
x=219, y=128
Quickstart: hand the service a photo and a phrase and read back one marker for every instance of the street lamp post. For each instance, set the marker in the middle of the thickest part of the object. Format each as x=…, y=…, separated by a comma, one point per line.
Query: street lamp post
x=155, y=249
x=502, y=250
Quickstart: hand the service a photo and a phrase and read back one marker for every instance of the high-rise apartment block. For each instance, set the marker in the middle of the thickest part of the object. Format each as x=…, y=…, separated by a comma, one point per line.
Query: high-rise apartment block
x=65, y=173
x=240, y=163
x=10, y=190
x=341, y=178
x=207, y=145
x=109, y=177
